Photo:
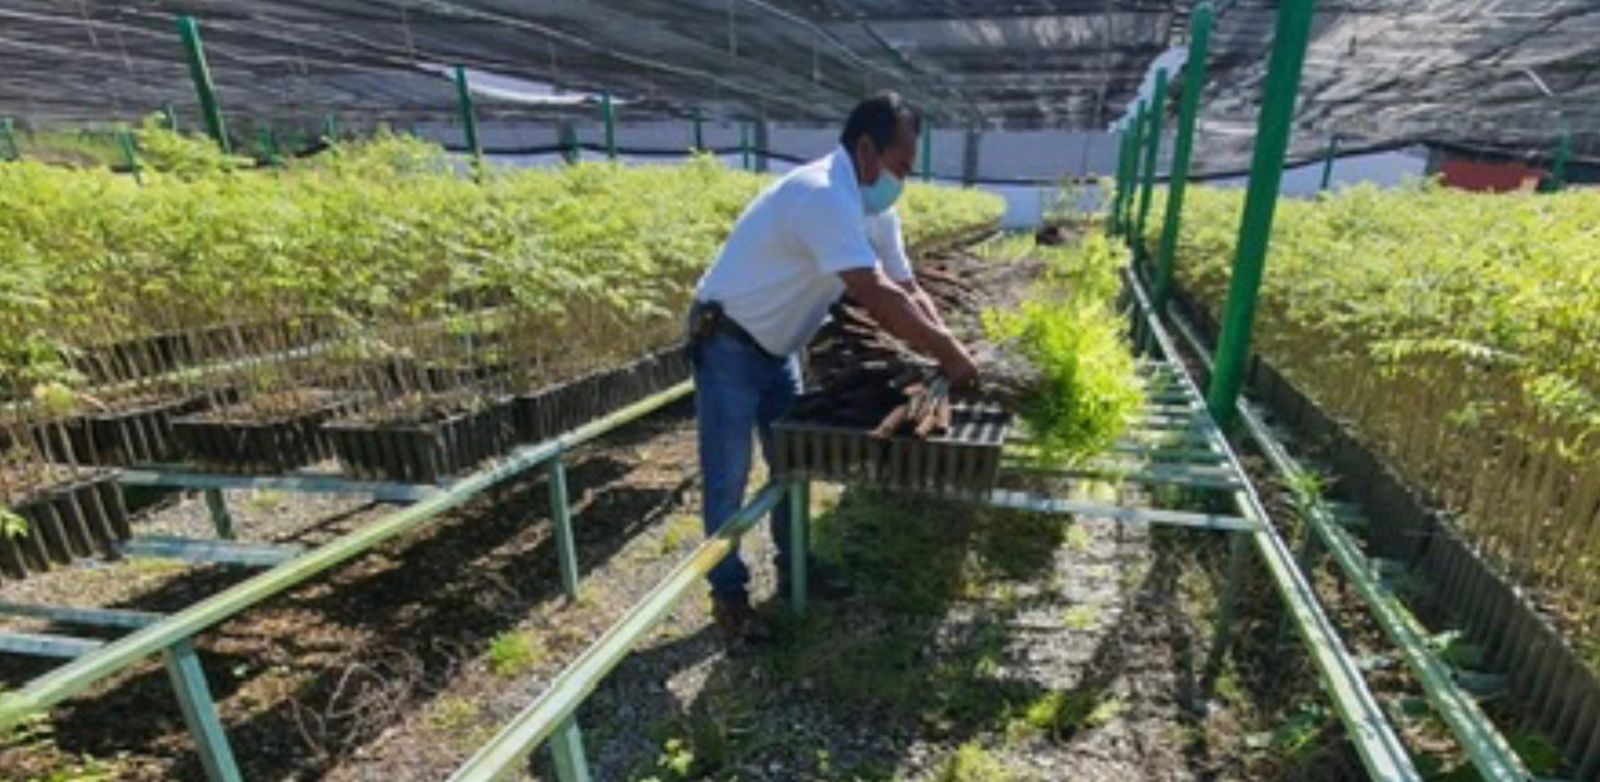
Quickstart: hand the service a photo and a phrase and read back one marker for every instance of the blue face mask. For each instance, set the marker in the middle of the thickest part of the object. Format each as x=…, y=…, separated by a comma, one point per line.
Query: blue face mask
x=880, y=195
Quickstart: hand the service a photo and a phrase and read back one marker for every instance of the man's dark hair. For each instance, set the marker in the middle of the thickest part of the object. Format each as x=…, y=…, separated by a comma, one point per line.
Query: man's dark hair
x=876, y=118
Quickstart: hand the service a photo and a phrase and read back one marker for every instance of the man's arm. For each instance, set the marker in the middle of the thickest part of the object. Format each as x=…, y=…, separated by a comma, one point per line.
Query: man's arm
x=901, y=315
x=923, y=301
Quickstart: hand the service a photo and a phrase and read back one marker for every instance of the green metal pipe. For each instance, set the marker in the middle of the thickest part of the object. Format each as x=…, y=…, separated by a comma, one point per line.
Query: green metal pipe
x=84, y=672
x=744, y=144
x=469, y=114
x=927, y=150
x=130, y=155
x=200, y=72
x=1123, y=173
x=799, y=542
x=1327, y=162
x=1152, y=158
x=269, y=147
x=1489, y=751
x=170, y=117
x=505, y=753
x=1194, y=81
x=611, y=124
x=1261, y=201
x=330, y=126
x=1140, y=122
x=1558, y=172
x=8, y=141
x=699, y=132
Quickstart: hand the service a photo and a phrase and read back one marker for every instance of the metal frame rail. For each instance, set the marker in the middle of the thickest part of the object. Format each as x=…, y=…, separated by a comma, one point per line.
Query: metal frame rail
x=1180, y=416
x=1381, y=751
x=171, y=636
x=1487, y=748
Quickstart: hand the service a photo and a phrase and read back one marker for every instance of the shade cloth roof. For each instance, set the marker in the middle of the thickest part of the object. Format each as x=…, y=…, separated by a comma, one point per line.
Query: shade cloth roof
x=1379, y=70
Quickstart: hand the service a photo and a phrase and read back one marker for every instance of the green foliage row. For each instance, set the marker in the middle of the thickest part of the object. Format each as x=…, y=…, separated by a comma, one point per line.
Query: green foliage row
x=1070, y=331
x=1458, y=332
x=598, y=259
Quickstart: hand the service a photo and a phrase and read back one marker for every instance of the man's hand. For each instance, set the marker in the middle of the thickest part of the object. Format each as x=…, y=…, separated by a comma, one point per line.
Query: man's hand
x=900, y=315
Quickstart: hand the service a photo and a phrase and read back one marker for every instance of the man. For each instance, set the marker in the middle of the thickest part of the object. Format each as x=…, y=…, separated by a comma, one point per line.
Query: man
x=811, y=236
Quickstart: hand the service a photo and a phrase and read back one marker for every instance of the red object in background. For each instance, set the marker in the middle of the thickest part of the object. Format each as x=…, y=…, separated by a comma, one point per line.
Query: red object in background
x=1490, y=177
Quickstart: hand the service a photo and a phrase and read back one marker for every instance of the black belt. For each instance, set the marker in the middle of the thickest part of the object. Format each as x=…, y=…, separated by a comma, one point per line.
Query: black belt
x=707, y=319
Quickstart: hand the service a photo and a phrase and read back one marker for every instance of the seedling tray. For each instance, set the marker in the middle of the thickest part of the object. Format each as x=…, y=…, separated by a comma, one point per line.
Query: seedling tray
x=966, y=458
x=81, y=518
x=422, y=453
x=268, y=447
x=560, y=408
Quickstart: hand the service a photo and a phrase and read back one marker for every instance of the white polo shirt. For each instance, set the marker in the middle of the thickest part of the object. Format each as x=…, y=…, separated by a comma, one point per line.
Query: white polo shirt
x=779, y=271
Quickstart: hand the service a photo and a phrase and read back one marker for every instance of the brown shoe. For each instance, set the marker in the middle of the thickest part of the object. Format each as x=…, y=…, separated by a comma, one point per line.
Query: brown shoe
x=739, y=622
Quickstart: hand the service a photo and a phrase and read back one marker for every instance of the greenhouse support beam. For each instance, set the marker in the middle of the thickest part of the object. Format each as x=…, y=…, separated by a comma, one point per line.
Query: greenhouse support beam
x=1194, y=80
x=556, y=708
x=200, y=72
x=610, y=117
x=1261, y=201
x=269, y=147
x=1152, y=159
x=1489, y=751
x=1558, y=172
x=1127, y=194
x=8, y=141
x=1382, y=753
x=1327, y=162
x=1123, y=174
x=469, y=114
x=927, y=150
x=799, y=542
x=84, y=672
x=130, y=155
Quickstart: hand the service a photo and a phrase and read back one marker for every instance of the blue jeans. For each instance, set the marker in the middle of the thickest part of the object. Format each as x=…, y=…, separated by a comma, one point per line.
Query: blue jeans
x=739, y=391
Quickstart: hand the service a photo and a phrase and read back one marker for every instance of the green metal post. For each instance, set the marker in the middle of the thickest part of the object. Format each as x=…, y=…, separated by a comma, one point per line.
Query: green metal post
x=221, y=519
x=744, y=144
x=566, y=749
x=169, y=116
x=561, y=514
x=200, y=713
x=330, y=126
x=611, y=124
x=927, y=150
x=1194, y=80
x=269, y=147
x=469, y=115
x=1558, y=172
x=130, y=155
x=1327, y=162
x=1261, y=201
x=699, y=133
x=799, y=542
x=189, y=29
x=8, y=140
x=1140, y=121
x=1124, y=166
x=569, y=143
x=1152, y=157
